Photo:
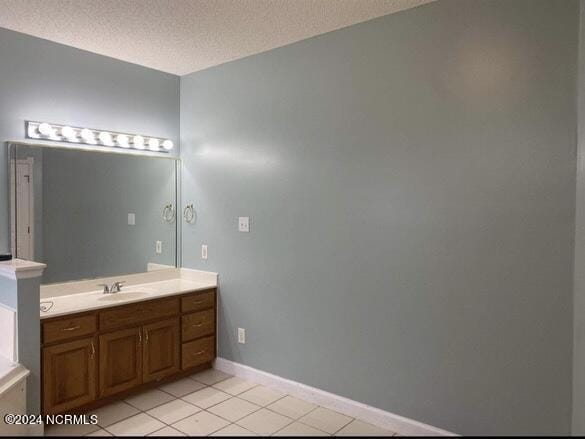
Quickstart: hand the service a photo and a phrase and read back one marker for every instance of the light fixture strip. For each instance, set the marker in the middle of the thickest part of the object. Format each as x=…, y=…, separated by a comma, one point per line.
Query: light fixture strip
x=89, y=136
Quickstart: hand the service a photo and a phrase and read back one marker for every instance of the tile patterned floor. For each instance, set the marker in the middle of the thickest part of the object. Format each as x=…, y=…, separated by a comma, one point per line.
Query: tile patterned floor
x=212, y=403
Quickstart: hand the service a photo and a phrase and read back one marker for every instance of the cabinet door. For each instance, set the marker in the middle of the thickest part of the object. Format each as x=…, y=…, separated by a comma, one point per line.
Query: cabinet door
x=69, y=375
x=120, y=361
x=161, y=349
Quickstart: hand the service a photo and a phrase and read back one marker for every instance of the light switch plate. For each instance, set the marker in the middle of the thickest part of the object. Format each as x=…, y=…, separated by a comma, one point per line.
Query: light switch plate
x=159, y=247
x=241, y=336
x=131, y=219
x=244, y=224
x=204, y=251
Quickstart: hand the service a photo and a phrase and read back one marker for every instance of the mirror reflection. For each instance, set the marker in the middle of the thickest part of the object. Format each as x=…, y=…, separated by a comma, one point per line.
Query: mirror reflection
x=89, y=214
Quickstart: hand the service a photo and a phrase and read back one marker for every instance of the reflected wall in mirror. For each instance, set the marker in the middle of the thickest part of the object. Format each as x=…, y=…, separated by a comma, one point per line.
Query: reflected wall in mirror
x=89, y=214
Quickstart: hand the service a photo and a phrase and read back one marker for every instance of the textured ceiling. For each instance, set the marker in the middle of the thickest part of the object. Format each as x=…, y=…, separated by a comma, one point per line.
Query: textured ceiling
x=183, y=36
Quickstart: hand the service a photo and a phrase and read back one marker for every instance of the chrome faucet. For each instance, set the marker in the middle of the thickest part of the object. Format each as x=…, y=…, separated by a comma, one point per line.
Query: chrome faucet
x=115, y=288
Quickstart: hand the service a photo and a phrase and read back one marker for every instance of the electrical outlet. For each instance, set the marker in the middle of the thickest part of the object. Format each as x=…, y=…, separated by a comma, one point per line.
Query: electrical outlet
x=159, y=247
x=204, y=251
x=131, y=219
x=241, y=335
x=244, y=224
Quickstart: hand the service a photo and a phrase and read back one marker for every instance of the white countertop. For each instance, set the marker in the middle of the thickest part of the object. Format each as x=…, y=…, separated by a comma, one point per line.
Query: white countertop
x=92, y=300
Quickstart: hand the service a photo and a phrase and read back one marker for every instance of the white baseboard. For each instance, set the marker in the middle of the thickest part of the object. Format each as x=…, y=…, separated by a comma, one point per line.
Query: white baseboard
x=399, y=424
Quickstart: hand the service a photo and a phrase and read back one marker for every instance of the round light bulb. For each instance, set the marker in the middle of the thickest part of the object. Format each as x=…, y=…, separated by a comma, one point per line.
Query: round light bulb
x=153, y=144
x=68, y=132
x=122, y=140
x=138, y=142
x=105, y=138
x=33, y=131
x=87, y=135
x=45, y=129
x=167, y=144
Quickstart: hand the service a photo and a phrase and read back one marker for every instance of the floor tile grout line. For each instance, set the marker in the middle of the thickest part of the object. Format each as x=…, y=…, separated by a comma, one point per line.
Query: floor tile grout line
x=175, y=396
x=213, y=384
x=260, y=408
x=162, y=428
x=229, y=420
x=351, y=420
x=272, y=402
x=212, y=405
x=247, y=429
x=299, y=420
x=221, y=390
x=215, y=431
x=317, y=428
x=260, y=434
x=178, y=420
x=264, y=407
x=154, y=406
x=238, y=425
x=290, y=423
x=121, y=419
x=296, y=419
x=249, y=414
x=147, y=414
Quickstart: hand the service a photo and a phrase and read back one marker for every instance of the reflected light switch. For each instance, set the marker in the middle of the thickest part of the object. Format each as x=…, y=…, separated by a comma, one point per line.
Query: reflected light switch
x=131, y=219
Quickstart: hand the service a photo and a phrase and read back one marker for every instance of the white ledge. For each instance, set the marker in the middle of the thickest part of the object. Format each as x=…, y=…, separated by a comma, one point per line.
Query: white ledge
x=10, y=374
x=21, y=269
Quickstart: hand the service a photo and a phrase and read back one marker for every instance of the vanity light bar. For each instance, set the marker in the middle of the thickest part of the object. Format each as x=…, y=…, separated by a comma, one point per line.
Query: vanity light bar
x=88, y=136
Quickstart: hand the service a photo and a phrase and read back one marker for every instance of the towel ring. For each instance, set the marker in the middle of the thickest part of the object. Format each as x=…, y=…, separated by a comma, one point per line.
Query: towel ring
x=168, y=213
x=189, y=213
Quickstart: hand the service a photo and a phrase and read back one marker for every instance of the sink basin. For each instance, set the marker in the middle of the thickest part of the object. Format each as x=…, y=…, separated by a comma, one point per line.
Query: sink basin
x=123, y=296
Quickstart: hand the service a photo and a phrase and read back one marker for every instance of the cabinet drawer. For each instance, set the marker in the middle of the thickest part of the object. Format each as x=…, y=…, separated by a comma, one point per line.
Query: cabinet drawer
x=198, y=301
x=137, y=313
x=198, y=324
x=197, y=352
x=64, y=329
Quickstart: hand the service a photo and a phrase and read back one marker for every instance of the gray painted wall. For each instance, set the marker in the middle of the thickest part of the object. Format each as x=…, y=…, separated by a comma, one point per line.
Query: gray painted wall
x=41, y=80
x=579, y=300
x=411, y=188
x=84, y=201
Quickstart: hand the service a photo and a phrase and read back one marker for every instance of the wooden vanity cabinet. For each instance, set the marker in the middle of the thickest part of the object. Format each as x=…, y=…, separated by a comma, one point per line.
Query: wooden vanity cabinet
x=91, y=358
x=120, y=361
x=69, y=375
x=161, y=356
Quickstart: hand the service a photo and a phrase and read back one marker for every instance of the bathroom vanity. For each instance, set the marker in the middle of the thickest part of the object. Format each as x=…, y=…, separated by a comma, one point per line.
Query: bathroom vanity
x=126, y=342
x=109, y=216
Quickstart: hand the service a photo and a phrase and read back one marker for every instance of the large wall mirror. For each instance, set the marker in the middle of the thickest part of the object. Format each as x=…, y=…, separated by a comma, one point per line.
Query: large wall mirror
x=90, y=214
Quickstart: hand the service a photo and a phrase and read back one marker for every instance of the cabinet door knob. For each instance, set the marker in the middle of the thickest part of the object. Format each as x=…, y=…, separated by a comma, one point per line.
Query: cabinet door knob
x=197, y=325
x=92, y=351
x=145, y=336
x=199, y=353
x=139, y=336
